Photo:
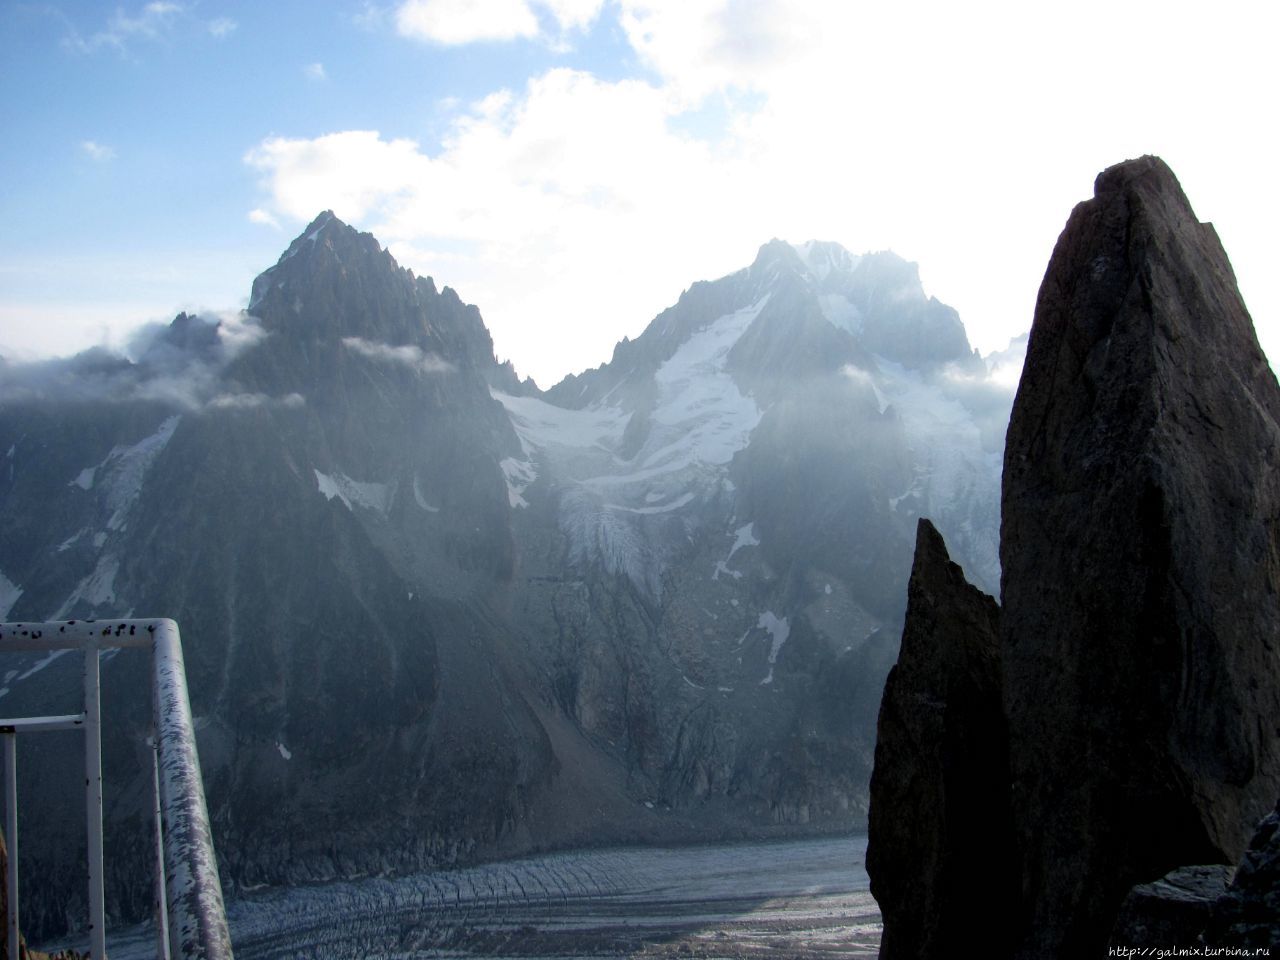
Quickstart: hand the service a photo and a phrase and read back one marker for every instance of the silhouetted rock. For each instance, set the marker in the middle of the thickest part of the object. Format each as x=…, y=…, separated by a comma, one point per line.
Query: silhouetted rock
x=1248, y=914
x=940, y=854
x=1172, y=910
x=1140, y=552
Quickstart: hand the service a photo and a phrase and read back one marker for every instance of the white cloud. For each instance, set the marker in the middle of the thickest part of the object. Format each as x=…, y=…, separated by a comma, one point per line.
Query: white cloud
x=943, y=131
x=261, y=216
x=573, y=14
x=254, y=401
x=406, y=355
x=454, y=22
x=97, y=151
x=222, y=27
x=151, y=22
x=315, y=71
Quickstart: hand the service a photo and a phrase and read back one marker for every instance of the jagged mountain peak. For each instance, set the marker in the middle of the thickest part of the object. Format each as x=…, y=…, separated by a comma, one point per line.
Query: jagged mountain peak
x=336, y=290
x=824, y=257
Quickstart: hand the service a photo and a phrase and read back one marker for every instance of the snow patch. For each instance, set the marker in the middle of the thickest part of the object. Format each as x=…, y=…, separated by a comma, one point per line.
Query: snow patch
x=356, y=493
x=841, y=313
x=744, y=536
x=420, y=500
x=676, y=504
x=519, y=474
x=722, y=567
x=540, y=425
x=122, y=471
x=779, y=630
x=9, y=594
x=68, y=543
x=97, y=589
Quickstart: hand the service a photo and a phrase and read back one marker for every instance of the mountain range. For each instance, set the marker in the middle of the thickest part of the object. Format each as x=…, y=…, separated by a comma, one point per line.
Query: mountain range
x=433, y=613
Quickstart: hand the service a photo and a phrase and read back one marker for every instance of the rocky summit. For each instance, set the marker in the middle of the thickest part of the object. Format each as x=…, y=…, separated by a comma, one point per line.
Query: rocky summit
x=1140, y=563
x=432, y=614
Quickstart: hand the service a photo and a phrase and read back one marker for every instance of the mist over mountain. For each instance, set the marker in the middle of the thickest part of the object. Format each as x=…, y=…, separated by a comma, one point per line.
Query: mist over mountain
x=432, y=613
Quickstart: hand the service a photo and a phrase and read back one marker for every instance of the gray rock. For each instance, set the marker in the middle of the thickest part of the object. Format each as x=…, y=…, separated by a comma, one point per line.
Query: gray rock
x=1248, y=914
x=1140, y=551
x=1171, y=911
x=940, y=853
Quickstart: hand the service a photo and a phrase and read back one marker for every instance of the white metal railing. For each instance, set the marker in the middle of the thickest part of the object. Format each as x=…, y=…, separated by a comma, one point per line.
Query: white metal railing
x=190, y=917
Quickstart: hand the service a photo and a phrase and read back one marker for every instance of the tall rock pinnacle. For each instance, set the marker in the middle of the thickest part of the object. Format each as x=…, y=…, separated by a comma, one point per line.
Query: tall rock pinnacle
x=1140, y=549
x=940, y=794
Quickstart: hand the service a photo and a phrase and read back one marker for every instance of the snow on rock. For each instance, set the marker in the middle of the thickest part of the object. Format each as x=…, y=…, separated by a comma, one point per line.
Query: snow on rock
x=699, y=420
x=97, y=589
x=540, y=425
x=356, y=493
x=778, y=629
x=744, y=536
x=953, y=473
x=707, y=419
x=71, y=541
x=822, y=257
x=519, y=474
x=9, y=594
x=420, y=500
x=122, y=471
x=675, y=504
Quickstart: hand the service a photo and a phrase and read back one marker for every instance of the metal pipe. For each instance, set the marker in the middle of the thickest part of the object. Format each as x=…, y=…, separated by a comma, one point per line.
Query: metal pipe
x=75, y=634
x=187, y=870
x=93, y=803
x=198, y=919
x=161, y=908
x=11, y=836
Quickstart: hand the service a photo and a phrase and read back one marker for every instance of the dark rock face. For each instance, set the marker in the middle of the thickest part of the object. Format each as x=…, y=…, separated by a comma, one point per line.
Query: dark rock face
x=939, y=798
x=1171, y=910
x=1140, y=551
x=1248, y=914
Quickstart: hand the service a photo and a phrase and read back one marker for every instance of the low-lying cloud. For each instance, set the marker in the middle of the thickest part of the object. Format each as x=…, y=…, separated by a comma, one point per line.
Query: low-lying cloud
x=406, y=355
x=180, y=365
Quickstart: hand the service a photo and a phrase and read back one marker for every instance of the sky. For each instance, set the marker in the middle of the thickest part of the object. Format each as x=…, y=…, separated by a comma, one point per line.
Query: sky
x=570, y=166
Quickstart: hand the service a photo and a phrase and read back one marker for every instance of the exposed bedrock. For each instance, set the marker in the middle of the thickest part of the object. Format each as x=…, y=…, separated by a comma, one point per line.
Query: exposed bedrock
x=939, y=793
x=1140, y=556
x=1248, y=914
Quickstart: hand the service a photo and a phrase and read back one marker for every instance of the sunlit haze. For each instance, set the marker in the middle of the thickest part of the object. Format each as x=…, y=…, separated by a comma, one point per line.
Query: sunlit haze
x=570, y=166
